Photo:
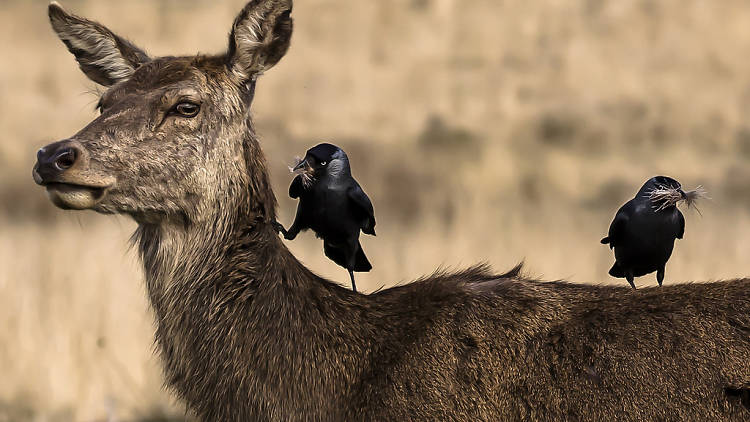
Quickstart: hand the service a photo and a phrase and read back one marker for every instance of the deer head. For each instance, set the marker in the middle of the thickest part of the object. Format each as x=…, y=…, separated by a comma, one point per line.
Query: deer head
x=174, y=138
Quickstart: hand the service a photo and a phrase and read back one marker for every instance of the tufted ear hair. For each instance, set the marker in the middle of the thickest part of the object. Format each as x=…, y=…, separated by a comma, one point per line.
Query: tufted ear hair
x=260, y=37
x=103, y=56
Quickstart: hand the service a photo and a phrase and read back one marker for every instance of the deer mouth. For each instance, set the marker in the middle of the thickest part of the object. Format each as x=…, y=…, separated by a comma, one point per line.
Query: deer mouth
x=69, y=196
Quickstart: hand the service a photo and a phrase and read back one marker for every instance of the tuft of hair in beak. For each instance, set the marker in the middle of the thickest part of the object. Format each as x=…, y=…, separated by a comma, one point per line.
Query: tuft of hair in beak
x=664, y=196
x=299, y=164
x=695, y=195
x=303, y=169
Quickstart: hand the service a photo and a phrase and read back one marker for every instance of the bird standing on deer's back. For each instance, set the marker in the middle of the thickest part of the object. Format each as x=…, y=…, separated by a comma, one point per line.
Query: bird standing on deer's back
x=645, y=228
x=333, y=205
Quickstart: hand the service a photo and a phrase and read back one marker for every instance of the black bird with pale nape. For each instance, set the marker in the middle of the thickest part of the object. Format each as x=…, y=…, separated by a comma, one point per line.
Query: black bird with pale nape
x=333, y=205
x=644, y=230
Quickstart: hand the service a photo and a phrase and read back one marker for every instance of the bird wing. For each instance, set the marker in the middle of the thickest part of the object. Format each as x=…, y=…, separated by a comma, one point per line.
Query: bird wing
x=681, y=229
x=364, y=207
x=616, y=229
x=295, y=189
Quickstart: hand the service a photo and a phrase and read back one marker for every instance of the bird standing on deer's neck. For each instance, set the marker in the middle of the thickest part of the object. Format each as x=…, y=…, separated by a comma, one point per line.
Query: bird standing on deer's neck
x=645, y=228
x=333, y=205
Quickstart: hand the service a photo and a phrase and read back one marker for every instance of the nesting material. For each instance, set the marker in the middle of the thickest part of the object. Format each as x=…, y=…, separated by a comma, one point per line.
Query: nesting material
x=305, y=173
x=297, y=160
x=665, y=196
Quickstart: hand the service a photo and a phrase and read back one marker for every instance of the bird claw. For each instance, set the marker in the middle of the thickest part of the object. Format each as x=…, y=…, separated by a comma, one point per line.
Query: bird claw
x=279, y=228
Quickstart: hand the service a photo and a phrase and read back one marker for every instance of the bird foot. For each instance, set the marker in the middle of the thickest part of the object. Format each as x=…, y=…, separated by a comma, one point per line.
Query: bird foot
x=279, y=228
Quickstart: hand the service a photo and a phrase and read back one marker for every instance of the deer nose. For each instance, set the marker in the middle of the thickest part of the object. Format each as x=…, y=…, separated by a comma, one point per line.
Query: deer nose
x=55, y=159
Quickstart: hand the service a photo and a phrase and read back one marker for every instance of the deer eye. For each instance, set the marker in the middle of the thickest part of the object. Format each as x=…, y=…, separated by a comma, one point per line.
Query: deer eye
x=186, y=109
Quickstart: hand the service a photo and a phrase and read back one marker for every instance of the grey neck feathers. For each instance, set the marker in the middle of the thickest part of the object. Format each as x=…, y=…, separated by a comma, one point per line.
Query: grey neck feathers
x=338, y=167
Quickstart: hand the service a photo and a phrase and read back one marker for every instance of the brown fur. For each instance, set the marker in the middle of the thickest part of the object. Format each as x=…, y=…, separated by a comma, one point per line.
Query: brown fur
x=246, y=332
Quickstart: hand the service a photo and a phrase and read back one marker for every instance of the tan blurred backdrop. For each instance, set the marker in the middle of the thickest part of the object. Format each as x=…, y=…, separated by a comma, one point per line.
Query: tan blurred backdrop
x=496, y=130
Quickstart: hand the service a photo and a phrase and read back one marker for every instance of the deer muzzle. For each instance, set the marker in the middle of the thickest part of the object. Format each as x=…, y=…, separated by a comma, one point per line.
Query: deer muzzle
x=63, y=169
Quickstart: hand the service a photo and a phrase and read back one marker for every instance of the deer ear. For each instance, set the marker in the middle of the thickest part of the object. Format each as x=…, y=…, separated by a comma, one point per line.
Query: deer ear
x=103, y=56
x=260, y=37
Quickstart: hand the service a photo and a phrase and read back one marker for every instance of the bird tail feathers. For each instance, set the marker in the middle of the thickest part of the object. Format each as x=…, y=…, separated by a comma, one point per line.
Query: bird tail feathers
x=361, y=263
x=617, y=271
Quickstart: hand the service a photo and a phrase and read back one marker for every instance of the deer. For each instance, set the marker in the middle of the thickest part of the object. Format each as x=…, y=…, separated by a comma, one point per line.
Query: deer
x=246, y=332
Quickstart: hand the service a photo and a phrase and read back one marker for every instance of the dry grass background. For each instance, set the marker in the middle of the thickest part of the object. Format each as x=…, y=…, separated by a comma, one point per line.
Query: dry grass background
x=482, y=130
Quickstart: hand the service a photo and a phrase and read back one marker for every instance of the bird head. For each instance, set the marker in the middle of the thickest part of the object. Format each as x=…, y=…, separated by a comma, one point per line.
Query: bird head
x=663, y=192
x=323, y=161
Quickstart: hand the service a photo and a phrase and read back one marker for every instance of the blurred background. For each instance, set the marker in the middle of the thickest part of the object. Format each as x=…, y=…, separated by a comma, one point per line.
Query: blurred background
x=483, y=130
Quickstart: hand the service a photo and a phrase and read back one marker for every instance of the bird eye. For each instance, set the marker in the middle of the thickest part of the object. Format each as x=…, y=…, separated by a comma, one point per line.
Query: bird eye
x=323, y=163
x=186, y=109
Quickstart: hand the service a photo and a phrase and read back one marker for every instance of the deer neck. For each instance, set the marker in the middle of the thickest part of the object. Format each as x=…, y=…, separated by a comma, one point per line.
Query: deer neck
x=235, y=308
x=209, y=256
x=229, y=241
x=232, y=250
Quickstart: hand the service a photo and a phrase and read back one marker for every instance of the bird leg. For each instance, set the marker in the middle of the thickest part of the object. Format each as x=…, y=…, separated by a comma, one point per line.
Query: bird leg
x=660, y=276
x=292, y=232
x=354, y=285
x=279, y=228
x=630, y=278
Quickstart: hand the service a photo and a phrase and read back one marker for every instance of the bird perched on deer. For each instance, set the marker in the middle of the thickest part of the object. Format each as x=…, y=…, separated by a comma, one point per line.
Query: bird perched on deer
x=645, y=228
x=333, y=205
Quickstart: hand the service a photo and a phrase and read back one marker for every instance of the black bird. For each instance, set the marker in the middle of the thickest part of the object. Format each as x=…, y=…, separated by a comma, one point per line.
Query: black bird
x=333, y=205
x=644, y=229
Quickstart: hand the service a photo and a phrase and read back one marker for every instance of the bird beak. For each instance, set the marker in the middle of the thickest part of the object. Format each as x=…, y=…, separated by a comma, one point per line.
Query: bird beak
x=300, y=166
